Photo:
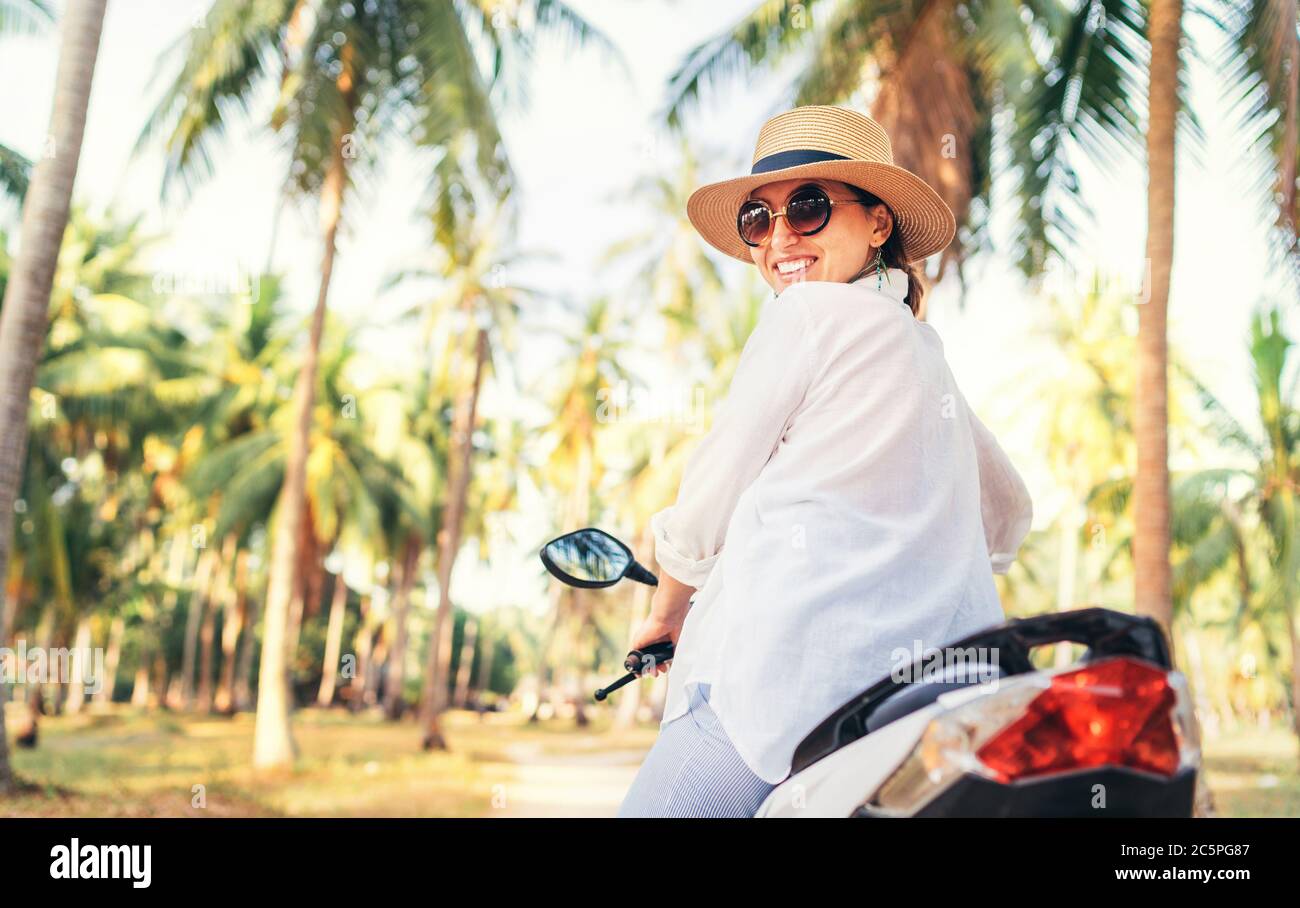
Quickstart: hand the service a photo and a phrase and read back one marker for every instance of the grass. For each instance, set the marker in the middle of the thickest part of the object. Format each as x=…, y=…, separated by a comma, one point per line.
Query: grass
x=127, y=763
x=1254, y=773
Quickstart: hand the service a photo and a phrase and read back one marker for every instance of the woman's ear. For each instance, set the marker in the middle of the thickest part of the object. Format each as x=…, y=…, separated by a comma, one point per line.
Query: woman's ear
x=882, y=223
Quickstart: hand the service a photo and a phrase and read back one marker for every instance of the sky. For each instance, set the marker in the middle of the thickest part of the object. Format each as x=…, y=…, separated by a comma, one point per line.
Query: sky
x=586, y=131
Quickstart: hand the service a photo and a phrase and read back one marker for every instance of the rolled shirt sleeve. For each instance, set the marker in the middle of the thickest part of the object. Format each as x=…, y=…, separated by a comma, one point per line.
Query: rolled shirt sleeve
x=771, y=379
x=1005, y=505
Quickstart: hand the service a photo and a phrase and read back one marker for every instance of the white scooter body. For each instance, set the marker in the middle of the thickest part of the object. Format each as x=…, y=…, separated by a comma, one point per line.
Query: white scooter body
x=835, y=785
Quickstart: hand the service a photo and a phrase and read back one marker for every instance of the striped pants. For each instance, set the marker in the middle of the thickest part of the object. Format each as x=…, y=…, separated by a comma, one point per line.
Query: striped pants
x=694, y=771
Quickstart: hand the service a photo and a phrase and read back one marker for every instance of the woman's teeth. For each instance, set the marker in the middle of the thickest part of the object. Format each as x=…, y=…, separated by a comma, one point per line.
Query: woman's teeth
x=793, y=266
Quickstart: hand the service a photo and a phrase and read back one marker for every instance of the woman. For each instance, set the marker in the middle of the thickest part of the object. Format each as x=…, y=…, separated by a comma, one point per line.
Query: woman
x=846, y=503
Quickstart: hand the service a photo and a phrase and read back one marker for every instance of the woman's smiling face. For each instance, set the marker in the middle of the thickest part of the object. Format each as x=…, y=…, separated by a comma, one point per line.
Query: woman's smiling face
x=837, y=252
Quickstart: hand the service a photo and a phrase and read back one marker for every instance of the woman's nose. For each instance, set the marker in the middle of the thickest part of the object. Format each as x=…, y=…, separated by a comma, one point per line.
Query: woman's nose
x=782, y=235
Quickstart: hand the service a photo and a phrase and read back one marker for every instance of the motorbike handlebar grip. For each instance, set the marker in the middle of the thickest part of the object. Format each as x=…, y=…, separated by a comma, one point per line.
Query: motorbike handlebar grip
x=638, y=660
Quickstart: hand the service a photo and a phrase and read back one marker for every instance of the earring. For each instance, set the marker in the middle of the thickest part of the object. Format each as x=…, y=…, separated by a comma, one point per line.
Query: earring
x=880, y=267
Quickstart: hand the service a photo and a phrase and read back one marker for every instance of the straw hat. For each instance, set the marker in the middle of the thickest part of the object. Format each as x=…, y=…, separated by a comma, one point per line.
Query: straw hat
x=830, y=143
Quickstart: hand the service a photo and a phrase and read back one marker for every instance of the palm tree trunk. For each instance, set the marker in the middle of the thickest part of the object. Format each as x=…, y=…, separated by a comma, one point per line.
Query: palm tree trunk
x=81, y=664
x=162, y=680
x=112, y=658
x=273, y=745
x=1283, y=507
x=363, y=642
x=484, y=682
x=396, y=674
x=140, y=686
x=193, y=621
x=1151, y=421
x=244, y=672
x=9, y=603
x=24, y=315
x=8, y=614
x=374, y=670
x=434, y=694
x=308, y=587
x=231, y=629
x=34, y=694
x=6, y=771
x=333, y=642
x=208, y=633
x=466, y=662
x=1295, y=670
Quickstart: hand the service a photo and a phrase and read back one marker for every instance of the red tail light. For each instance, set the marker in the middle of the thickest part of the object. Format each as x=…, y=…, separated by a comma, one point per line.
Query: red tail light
x=1118, y=712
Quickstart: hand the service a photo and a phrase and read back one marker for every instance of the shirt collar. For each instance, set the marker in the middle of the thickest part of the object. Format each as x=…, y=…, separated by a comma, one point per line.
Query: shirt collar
x=893, y=283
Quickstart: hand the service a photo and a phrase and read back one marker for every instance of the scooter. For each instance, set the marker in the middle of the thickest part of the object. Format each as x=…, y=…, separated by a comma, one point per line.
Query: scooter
x=976, y=728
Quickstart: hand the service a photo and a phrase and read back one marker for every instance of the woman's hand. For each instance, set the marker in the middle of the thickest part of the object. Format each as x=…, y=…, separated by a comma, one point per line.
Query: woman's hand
x=668, y=608
x=656, y=630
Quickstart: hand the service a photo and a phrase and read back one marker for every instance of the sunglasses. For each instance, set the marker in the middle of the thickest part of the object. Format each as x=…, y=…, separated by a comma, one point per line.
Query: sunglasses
x=807, y=210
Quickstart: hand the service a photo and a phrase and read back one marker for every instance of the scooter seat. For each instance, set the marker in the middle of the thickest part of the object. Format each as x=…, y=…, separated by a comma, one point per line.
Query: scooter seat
x=923, y=693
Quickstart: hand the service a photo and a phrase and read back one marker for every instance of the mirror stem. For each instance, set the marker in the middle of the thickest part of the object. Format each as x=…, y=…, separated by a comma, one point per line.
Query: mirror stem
x=638, y=573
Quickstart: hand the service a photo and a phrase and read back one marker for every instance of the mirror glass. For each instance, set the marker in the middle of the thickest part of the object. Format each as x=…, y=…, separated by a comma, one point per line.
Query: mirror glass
x=589, y=556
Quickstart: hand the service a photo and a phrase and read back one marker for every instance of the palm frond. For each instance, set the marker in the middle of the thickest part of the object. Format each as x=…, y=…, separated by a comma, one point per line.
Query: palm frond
x=24, y=16
x=15, y=173
x=223, y=61
x=1084, y=98
x=766, y=35
x=1261, y=71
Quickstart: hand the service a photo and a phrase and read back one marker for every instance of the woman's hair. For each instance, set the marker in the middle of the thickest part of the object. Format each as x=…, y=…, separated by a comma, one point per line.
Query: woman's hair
x=892, y=252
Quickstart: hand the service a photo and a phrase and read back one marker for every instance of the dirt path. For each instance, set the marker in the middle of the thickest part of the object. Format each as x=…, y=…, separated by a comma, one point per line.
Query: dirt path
x=565, y=784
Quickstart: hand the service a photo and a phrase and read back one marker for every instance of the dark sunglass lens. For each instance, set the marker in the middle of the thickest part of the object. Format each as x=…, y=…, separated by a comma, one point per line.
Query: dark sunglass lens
x=753, y=222
x=808, y=210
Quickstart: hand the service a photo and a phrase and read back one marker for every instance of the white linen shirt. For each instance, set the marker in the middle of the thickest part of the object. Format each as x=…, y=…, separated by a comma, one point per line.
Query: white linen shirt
x=844, y=504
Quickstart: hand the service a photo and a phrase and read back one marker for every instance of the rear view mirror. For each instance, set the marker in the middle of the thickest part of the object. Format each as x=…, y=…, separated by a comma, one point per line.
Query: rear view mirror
x=592, y=558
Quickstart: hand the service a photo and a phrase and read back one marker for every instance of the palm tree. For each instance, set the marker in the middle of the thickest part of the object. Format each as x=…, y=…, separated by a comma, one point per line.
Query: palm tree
x=1084, y=394
x=102, y=388
x=682, y=282
x=19, y=16
x=1262, y=65
x=592, y=369
x=1228, y=500
x=409, y=545
x=1082, y=399
x=478, y=303
x=403, y=423
x=1152, y=577
x=27, y=293
x=240, y=394
x=349, y=485
x=351, y=77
